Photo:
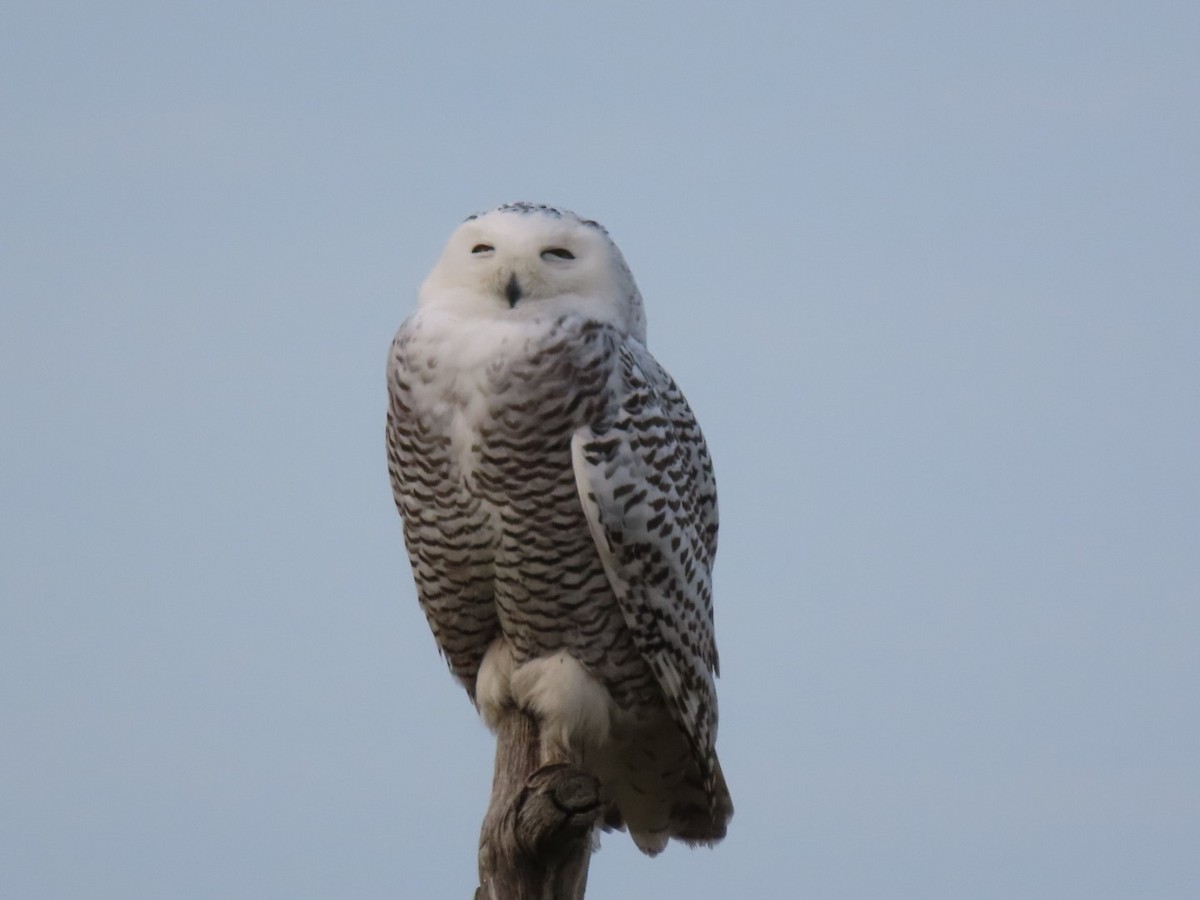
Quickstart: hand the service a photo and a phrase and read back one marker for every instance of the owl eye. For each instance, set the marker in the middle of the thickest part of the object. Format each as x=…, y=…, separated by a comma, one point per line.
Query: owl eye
x=559, y=252
x=482, y=248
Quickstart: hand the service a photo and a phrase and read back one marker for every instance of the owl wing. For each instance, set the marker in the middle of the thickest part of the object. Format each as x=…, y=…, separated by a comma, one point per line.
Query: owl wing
x=646, y=483
x=444, y=527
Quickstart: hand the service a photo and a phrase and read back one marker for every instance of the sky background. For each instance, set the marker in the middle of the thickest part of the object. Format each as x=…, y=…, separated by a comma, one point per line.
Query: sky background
x=929, y=274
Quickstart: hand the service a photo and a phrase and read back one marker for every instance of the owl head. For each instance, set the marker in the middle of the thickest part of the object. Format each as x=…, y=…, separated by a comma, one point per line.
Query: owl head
x=524, y=261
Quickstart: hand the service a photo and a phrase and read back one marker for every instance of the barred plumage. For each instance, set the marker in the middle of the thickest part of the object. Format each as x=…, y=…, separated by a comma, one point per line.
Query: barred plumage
x=560, y=512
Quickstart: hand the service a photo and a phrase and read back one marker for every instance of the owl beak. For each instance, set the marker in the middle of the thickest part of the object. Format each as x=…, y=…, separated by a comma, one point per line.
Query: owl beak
x=512, y=291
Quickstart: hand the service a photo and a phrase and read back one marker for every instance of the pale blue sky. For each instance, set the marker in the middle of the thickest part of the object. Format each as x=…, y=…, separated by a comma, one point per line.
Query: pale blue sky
x=928, y=272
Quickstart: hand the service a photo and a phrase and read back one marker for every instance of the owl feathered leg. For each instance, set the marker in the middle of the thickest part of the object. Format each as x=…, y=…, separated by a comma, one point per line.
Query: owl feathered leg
x=573, y=709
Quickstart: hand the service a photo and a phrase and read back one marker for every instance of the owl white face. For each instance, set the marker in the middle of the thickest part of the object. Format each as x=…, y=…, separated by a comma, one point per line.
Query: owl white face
x=523, y=262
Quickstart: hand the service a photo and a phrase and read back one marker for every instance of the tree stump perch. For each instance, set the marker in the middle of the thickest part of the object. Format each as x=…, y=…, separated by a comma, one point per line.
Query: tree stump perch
x=536, y=840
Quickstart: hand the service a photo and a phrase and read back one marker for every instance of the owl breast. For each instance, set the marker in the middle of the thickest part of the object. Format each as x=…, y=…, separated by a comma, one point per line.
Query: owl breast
x=499, y=404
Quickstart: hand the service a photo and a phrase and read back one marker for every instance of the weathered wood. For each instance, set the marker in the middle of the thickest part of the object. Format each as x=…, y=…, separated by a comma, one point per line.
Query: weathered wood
x=536, y=839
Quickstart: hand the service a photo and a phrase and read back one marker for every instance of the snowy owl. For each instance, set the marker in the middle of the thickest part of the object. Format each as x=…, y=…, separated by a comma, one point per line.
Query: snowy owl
x=560, y=513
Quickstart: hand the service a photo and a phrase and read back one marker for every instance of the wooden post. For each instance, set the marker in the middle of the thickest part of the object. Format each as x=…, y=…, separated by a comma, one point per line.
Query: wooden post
x=537, y=835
